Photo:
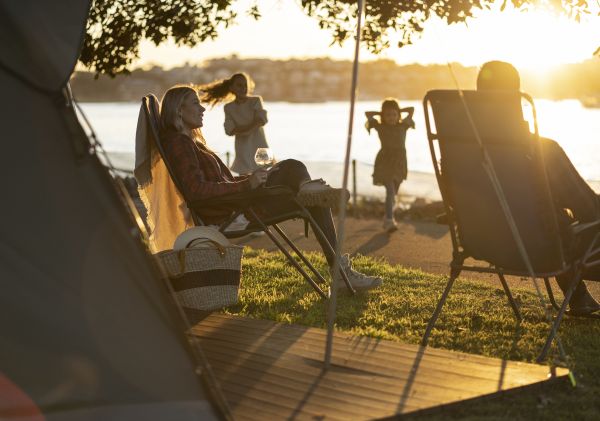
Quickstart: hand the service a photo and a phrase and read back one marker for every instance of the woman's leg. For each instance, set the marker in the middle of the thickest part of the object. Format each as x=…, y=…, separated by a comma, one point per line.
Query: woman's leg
x=293, y=173
x=324, y=220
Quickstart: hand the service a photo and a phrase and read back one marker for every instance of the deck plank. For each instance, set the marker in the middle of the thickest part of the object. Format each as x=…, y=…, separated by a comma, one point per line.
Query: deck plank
x=270, y=370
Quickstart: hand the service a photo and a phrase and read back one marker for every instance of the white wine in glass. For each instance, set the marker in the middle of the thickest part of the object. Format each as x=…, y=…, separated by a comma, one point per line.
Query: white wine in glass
x=264, y=157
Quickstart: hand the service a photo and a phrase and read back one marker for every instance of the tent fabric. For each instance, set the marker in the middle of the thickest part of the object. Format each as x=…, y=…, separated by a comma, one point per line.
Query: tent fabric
x=41, y=40
x=85, y=321
x=168, y=214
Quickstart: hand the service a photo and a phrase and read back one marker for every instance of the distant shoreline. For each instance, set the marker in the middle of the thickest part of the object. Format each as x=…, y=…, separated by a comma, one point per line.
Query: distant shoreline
x=324, y=79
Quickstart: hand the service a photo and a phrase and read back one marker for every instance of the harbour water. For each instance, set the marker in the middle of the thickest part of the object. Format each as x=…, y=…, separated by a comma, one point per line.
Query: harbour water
x=316, y=134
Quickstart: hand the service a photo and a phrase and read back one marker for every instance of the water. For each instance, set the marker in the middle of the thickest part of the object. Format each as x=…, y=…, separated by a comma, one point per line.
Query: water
x=316, y=134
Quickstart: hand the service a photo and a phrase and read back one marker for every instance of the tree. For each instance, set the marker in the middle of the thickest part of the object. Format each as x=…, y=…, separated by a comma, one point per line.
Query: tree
x=115, y=28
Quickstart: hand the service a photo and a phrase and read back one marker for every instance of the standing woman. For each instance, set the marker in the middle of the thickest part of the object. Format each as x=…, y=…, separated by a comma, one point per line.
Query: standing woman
x=244, y=117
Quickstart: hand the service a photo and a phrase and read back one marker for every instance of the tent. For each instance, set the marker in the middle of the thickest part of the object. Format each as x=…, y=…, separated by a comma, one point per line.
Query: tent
x=87, y=328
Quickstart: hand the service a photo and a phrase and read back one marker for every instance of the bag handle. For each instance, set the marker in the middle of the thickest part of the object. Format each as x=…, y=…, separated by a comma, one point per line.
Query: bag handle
x=181, y=255
x=220, y=247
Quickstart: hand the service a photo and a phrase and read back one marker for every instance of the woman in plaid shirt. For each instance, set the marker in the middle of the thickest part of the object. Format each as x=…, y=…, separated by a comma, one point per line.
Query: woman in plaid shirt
x=203, y=175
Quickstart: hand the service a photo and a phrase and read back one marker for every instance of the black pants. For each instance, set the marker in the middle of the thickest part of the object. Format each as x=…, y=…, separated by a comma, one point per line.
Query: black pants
x=570, y=191
x=293, y=173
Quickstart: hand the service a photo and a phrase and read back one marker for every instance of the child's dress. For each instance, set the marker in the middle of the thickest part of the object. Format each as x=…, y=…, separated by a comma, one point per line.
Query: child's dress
x=390, y=162
x=242, y=114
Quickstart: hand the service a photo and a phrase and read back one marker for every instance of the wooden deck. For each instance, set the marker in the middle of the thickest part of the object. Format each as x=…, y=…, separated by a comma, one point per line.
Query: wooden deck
x=274, y=371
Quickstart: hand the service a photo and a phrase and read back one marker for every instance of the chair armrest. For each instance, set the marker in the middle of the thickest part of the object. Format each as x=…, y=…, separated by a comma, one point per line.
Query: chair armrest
x=236, y=201
x=578, y=228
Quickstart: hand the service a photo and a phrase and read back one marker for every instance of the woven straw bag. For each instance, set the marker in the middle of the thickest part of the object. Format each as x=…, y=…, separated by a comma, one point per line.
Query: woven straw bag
x=205, y=275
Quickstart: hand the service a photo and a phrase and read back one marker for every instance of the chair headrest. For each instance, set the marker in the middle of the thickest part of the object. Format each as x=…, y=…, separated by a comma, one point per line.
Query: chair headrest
x=493, y=115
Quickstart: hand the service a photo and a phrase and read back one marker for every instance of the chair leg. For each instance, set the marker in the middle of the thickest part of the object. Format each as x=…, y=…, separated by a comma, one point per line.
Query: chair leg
x=319, y=234
x=299, y=254
x=551, y=294
x=453, y=275
x=289, y=256
x=559, y=317
x=511, y=300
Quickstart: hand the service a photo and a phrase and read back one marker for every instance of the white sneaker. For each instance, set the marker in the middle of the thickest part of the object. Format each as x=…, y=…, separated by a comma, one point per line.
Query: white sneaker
x=319, y=193
x=390, y=225
x=359, y=281
x=238, y=223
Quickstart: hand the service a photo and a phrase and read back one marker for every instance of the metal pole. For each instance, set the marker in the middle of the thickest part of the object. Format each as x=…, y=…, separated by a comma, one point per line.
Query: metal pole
x=354, y=184
x=342, y=206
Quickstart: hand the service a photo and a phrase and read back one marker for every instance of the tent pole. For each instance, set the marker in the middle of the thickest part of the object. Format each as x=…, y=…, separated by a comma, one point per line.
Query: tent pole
x=342, y=205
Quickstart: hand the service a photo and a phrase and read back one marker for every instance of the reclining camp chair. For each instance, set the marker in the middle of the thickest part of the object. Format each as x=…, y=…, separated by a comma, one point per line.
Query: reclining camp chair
x=245, y=202
x=494, y=127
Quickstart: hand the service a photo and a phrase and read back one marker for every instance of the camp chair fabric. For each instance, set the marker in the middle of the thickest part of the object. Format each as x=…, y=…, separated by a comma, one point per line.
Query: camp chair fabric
x=246, y=202
x=470, y=128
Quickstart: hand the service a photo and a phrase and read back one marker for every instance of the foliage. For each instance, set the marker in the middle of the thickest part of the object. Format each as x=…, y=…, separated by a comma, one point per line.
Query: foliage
x=407, y=18
x=476, y=319
x=115, y=28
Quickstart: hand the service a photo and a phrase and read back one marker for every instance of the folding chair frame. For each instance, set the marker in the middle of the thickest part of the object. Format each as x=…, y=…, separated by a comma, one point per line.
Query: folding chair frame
x=576, y=267
x=246, y=202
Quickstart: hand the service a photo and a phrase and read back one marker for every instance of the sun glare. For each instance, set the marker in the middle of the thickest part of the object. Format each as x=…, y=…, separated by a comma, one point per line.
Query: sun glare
x=534, y=41
x=538, y=40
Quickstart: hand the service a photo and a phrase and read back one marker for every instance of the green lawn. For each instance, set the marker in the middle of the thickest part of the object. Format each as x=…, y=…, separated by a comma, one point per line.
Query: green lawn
x=476, y=319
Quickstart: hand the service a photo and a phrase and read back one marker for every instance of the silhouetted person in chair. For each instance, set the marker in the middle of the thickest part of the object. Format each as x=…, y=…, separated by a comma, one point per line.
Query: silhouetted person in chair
x=569, y=190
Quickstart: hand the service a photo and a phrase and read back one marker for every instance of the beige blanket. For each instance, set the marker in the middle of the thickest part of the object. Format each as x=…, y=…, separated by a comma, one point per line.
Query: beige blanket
x=168, y=215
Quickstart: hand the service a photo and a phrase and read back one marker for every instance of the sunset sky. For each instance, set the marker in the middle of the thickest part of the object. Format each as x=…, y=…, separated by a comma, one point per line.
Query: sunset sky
x=534, y=40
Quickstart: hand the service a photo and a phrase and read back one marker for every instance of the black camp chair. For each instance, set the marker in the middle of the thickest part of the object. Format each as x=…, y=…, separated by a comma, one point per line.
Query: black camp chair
x=245, y=203
x=479, y=228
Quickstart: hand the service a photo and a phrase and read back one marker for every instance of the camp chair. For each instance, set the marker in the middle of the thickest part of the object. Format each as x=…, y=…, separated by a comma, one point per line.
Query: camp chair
x=479, y=227
x=246, y=203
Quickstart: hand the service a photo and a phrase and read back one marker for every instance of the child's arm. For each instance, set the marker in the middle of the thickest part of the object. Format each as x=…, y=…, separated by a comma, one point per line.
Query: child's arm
x=371, y=120
x=409, y=110
x=409, y=120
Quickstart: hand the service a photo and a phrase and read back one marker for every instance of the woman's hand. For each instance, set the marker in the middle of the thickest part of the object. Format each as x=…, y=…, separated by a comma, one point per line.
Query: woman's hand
x=258, y=178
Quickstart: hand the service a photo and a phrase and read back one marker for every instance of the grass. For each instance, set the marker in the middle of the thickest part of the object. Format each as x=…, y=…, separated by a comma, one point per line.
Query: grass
x=476, y=319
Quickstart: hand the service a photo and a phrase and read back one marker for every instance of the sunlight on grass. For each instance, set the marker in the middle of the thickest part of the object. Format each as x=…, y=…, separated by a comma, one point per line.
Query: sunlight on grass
x=476, y=319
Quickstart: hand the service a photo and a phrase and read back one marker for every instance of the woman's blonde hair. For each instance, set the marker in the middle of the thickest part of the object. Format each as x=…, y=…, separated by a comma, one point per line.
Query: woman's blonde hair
x=220, y=90
x=170, y=110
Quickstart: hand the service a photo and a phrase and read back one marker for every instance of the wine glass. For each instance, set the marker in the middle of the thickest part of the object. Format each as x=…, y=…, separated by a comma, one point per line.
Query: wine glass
x=264, y=157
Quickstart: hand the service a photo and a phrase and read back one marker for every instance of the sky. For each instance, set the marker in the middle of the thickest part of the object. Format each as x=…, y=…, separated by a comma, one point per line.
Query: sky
x=533, y=40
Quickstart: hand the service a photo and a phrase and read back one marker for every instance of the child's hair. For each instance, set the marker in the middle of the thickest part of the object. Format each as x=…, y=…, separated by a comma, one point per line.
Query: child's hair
x=220, y=90
x=390, y=103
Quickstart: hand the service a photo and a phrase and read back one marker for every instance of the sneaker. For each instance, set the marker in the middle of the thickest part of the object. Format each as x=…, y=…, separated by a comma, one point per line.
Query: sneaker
x=390, y=225
x=238, y=224
x=359, y=281
x=582, y=302
x=319, y=193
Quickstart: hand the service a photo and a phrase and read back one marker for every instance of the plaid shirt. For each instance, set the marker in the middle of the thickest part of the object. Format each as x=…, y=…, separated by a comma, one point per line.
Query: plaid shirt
x=201, y=173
